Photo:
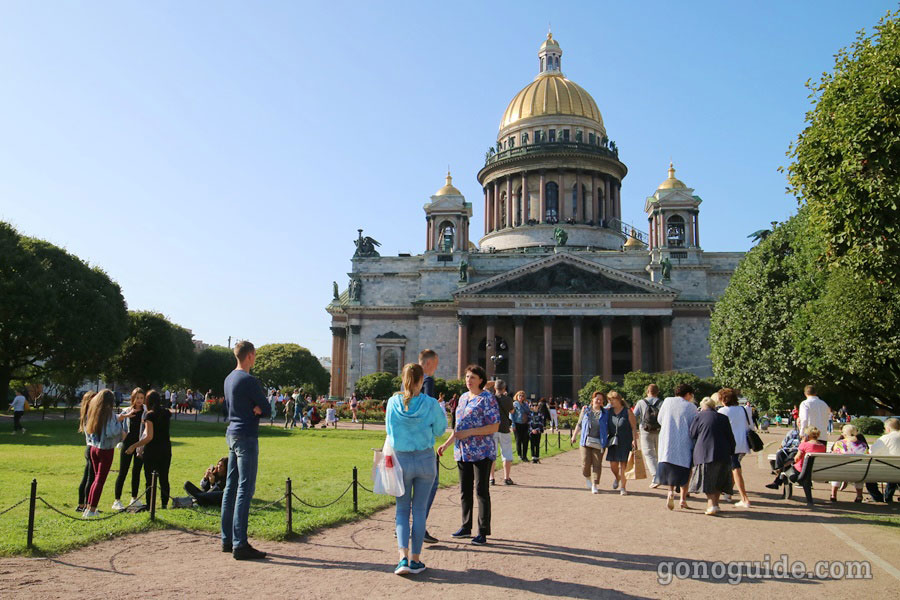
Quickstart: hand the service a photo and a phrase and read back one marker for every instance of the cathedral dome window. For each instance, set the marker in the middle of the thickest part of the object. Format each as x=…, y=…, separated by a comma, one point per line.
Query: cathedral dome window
x=675, y=231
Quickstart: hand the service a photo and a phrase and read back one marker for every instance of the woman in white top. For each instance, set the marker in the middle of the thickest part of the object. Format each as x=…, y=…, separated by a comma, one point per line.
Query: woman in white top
x=676, y=448
x=741, y=423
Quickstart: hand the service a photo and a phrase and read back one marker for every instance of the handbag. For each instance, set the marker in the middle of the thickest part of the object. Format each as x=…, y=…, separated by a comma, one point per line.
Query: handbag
x=387, y=475
x=753, y=439
x=592, y=442
x=635, y=468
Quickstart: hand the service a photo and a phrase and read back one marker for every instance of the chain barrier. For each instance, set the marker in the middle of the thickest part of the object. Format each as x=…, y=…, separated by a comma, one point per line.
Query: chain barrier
x=13, y=506
x=265, y=506
x=365, y=488
x=344, y=493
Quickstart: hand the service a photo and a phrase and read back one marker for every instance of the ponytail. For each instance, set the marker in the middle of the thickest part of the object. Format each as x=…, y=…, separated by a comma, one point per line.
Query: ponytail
x=412, y=375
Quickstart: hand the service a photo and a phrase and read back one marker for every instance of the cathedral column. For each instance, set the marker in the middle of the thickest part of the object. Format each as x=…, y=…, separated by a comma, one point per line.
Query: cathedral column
x=462, y=346
x=561, y=197
x=487, y=204
x=697, y=229
x=636, y=350
x=576, y=355
x=547, y=375
x=336, y=334
x=526, y=201
x=579, y=215
x=542, y=204
x=510, y=204
x=606, y=199
x=667, y=343
x=607, y=348
x=428, y=226
x=520, y=353
x=618, y=207
x=595, y=204
x=378, y=359
x=490, y=337
x=495, y=212
x=689, y=234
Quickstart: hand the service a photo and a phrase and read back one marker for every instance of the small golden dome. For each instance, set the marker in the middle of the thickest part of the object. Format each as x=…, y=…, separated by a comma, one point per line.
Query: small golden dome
x=633, y=242
x=551, y=94
x=549, y=42
x=448, y=189
x=672, y=183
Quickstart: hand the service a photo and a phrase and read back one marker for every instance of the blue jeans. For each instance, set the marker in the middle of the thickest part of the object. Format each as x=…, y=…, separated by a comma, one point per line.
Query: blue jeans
x=434, y=486
x=419, y=473
x=243, y=458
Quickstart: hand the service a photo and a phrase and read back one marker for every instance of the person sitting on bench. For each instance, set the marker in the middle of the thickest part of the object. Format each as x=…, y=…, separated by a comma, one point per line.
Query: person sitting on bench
x=809, y=445
x=886, y=445
x=211, y=486
x=785, y=456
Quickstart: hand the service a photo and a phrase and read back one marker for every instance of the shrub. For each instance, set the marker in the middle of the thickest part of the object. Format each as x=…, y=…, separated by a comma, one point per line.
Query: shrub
x=868, y=425
x=378, y=385
x=596, y=385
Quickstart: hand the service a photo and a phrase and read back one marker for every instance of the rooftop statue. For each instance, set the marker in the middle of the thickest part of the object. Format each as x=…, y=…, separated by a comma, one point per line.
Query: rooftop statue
x=365, y=246
x=666, y=265
x=334, y=291
x=561, y=236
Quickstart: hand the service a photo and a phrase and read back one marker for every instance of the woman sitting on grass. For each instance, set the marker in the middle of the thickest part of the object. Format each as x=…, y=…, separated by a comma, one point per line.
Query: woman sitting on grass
x=103, y=430
x=412, y=421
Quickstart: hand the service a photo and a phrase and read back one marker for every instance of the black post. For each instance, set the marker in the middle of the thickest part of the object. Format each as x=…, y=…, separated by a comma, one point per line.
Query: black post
x=153, y=496
x=355, y=491
x=546, y=442
x=196, y=414
x=31, y=502
x=559, y=439
x=44, y=412
x=287, y=506
x=65, y=411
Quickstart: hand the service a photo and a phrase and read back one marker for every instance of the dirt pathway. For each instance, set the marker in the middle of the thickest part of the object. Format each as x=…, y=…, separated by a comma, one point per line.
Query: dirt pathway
x=551, y=538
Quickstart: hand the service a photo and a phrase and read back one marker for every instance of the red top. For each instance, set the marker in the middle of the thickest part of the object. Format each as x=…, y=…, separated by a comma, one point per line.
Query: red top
x=807, y=448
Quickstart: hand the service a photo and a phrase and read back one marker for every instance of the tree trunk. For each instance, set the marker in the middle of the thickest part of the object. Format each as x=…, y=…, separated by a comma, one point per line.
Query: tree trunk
x=5, y=378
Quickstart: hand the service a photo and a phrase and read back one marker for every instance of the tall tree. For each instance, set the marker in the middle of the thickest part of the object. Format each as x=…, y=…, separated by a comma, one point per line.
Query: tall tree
x=156, y=352
x=58, y=315
x=290, y=365
x=846, y=162
x=212, y=366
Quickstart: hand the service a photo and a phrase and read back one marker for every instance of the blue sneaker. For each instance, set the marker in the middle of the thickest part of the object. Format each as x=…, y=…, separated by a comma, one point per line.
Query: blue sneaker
x=416, y=567
x=462, y=532
x=479, y=540
x=402, y=567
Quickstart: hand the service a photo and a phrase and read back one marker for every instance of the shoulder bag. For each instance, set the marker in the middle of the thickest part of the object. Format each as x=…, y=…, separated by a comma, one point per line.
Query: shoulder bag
x=753, y=439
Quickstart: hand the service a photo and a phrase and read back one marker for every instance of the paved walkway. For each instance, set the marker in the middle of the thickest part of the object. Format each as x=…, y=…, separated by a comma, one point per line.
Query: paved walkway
x=551, y=538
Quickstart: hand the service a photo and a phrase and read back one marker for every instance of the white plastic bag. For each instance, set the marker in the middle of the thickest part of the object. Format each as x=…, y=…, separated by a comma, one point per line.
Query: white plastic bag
x=387, y=475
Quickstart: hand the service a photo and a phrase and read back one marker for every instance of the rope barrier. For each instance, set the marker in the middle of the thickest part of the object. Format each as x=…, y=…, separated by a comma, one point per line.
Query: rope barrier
x=13, y=506
x=269, y=505
x=344, y=493
x=365, y=488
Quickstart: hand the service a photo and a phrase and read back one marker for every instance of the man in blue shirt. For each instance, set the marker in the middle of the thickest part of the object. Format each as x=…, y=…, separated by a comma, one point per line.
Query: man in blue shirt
x=245, y=403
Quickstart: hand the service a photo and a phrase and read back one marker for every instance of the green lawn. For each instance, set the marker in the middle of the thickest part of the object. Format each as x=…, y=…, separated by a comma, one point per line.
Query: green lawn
x=319, y=463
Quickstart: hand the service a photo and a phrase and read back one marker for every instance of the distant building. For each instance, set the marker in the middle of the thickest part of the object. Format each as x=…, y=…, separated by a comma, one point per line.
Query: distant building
x=559, y=289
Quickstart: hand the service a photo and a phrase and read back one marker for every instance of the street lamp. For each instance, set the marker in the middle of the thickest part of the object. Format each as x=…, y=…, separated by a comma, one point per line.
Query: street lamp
x=361, y=346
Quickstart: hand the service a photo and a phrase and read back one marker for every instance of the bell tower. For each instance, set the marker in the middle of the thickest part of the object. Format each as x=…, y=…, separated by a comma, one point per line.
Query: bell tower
x=673, y=213
x=447, y=220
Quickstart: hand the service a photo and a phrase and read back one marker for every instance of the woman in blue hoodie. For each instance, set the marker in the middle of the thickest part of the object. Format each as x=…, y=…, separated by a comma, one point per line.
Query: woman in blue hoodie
x=413, y=420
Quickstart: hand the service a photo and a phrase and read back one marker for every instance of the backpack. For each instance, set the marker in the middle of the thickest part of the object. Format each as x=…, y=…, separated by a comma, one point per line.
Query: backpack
x=650, y=417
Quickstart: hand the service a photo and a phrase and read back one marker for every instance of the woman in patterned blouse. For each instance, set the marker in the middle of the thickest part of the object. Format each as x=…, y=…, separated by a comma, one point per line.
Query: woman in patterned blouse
x=477, y=419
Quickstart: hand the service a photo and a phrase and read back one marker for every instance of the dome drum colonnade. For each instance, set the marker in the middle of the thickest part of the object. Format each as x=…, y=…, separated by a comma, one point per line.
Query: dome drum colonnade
x=554, y=163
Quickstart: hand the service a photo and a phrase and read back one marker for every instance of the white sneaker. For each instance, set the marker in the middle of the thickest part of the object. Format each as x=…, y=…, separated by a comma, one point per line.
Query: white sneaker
x=587, y=483
x=88, y=513
x=136, y=503
x=117, y=505
x=653, y=486
x=595, y=489
x=623, y=493
x=741, y=504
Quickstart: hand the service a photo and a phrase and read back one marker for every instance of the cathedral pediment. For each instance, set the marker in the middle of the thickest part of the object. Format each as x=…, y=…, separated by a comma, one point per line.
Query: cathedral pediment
x=565, y=274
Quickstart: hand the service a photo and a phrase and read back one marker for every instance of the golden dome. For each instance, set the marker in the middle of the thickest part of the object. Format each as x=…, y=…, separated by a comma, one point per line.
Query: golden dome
x=671, y=183
x=448, y=189
x=549, y=42
x=633, y=242
x=551, y=94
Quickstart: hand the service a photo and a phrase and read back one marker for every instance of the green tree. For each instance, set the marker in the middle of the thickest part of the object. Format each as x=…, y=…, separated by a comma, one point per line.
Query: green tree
x=290, y=365
x=211, y=367
x=380, y=386
x=751, y=343
x=846, y=162
x=449, y=387
x=156, y=352
x=58, y=315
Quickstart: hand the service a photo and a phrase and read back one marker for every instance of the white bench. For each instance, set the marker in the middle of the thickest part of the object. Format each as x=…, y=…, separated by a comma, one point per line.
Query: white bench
x=853, y=468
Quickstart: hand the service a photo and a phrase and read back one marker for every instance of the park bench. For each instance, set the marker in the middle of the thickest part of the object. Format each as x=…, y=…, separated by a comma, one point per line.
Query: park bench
x=853, y=468
x=771, y=457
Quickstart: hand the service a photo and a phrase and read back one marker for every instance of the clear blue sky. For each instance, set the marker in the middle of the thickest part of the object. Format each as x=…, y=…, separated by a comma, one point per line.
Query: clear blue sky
x=216, y=158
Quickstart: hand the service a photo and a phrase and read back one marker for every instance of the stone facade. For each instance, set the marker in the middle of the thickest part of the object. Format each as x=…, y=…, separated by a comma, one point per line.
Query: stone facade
x=559, y=289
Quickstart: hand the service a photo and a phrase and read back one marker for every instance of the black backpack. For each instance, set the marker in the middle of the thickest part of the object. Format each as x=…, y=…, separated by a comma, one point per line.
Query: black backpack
x=650, y=416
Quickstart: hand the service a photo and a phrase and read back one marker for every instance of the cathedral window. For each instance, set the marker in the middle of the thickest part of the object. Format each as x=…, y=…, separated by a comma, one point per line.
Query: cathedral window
x=579, y=135
x=551, y=193
x=552, y=135
x=675, y=231
x=390, y=361
x=591, y=138
x=565, y=135
x=575, y=202
x=446, y=237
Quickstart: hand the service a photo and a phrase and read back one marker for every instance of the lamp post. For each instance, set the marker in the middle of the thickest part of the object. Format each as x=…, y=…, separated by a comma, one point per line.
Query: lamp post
x=361, y=346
